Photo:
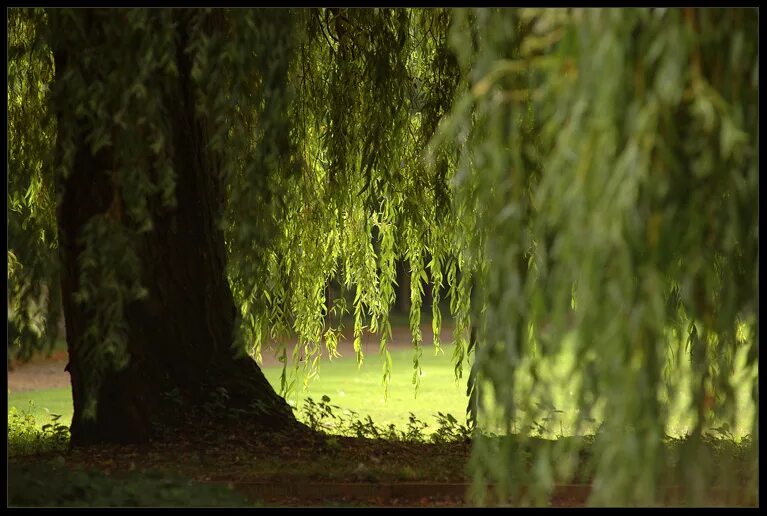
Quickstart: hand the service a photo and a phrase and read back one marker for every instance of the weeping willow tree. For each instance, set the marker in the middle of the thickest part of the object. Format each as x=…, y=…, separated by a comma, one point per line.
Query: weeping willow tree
x=609, y=166
x=185, y=183
x=192, y=179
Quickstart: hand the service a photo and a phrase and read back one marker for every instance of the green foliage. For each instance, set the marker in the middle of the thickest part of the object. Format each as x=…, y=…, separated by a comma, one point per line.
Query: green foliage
x=325, y=417
x=363, y=83
x=610, y=167
x=449, y=429
x=53, y=485
x=582, y=181
x=34, y=301
x=319, y=117
x=25, y=437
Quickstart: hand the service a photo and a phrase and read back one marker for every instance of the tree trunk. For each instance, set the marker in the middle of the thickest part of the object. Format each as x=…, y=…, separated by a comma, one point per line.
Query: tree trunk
x=179, y=337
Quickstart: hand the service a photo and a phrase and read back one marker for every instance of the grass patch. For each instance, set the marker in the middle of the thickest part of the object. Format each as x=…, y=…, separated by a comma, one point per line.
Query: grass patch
x=221, y=449
x=43, y=405
x=49, y=484
x=360, y=389
x=353, y=388
x=358, y=392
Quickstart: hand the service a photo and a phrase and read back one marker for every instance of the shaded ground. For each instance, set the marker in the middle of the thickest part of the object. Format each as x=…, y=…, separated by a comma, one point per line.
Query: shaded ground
x=298, y=470
x=310, y=469
x=283, y=470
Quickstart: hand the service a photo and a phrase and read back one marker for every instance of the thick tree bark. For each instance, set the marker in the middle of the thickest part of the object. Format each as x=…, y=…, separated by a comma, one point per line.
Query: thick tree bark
x=180, y=336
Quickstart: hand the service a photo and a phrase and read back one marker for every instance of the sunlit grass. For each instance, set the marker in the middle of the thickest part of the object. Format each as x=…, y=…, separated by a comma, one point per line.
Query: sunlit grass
x=351, y=387
x=44, y=404
x=360, y=389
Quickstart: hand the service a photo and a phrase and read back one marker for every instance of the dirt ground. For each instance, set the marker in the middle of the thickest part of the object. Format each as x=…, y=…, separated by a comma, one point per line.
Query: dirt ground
x=47, y=372
x=310, y=469
x=41, y=373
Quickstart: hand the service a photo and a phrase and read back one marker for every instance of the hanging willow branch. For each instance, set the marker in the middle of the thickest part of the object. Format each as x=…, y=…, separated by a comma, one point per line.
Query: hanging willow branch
x=583, y=183
x=617, y=213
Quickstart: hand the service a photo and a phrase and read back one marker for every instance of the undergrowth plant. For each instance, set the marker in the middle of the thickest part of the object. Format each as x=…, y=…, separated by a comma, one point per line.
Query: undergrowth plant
x=323, y=416
x=25, y=437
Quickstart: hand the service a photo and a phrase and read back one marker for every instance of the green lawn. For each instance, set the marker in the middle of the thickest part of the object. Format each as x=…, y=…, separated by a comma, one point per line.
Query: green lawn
x=360, y=389
x=353, y=388
x=43, y=404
